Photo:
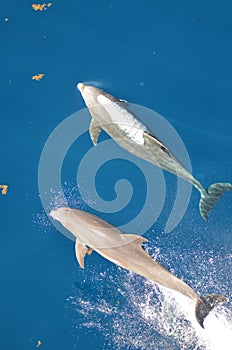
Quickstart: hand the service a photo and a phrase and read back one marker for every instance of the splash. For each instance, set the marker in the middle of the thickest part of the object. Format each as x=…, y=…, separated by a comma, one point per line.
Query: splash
x=68, y=196
x=133, y=313
x=42, y=223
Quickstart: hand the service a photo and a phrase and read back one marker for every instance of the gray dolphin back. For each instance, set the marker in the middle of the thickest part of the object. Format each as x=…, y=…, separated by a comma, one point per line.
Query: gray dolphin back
x=211, y=196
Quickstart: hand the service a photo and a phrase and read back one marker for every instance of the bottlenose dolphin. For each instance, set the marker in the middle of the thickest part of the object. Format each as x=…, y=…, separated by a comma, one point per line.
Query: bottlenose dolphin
x=125, y=250
x=114, y=117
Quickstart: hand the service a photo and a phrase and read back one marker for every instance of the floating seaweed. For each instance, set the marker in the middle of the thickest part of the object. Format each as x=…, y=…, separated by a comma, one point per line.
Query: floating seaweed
x=38, y=77
x=41, y=7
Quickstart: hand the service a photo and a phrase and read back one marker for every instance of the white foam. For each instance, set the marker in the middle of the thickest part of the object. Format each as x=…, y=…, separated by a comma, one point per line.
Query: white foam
x=148, y=317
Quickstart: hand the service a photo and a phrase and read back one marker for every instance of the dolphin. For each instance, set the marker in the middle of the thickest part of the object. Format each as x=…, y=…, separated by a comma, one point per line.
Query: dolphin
x=125, y=250
x=114, y=117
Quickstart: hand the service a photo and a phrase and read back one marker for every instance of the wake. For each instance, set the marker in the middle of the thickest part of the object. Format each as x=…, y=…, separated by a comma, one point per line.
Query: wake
x=217, y=332
x=138, y=315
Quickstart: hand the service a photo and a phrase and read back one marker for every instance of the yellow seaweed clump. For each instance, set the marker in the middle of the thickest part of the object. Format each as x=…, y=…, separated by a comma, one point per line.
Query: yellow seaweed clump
x=41, y=7
x=38, y=343
x=37, y=77
x=4, y=188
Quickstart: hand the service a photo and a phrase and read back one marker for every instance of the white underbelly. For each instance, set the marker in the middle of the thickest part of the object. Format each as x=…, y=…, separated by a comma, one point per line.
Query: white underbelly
x=124, y=120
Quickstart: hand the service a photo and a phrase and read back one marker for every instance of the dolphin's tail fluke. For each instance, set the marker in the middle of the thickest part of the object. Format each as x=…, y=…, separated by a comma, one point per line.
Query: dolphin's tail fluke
x=206, y=304
x=211, y=196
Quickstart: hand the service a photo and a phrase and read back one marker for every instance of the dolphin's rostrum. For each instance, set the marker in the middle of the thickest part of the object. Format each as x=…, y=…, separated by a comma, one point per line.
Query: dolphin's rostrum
x=114, y=117
x=125, y=250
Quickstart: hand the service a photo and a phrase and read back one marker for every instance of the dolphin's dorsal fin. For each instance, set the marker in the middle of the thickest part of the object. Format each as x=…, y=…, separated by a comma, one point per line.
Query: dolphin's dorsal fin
x=128, y=238
x=81, y=251
x=123, y=101
x=152, y=140
x=94, y=131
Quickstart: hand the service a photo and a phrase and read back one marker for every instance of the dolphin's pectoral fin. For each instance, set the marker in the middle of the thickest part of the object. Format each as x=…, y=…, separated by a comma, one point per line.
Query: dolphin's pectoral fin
x=94, y=131
x=81, y=251
x=129, y=238
x=150, y=141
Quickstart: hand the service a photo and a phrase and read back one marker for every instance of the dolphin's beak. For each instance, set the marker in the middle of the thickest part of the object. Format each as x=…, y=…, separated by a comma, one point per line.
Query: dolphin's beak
x=88, y=91
x=81, y=87
x=89, y=94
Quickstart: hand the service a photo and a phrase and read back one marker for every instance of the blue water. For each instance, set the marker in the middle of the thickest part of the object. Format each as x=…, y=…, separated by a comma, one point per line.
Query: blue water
x=171, y=56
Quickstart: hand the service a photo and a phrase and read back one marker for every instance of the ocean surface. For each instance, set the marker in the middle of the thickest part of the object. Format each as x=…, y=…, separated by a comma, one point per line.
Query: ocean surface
x=173, y=57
